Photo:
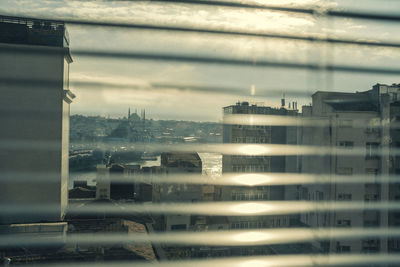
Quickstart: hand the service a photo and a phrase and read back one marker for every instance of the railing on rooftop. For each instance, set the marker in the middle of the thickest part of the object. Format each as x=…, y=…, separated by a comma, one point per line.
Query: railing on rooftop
x=44, y=27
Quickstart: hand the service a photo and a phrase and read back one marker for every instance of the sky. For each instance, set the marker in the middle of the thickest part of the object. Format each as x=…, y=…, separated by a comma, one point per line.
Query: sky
x=124, y=83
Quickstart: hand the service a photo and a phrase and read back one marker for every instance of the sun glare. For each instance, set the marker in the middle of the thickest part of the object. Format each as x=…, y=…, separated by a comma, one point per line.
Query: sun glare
x=251, y=208
x=260, y=263
x=253, y=150
x=252, y=179
x=250, y=237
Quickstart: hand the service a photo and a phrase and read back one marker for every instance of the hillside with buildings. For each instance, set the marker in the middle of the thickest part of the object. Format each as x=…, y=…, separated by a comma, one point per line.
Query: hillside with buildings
x=89, y=135
x=137, y=129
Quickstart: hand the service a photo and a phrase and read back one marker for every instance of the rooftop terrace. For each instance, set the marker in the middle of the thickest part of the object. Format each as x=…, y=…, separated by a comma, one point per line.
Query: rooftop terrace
x=17, y=30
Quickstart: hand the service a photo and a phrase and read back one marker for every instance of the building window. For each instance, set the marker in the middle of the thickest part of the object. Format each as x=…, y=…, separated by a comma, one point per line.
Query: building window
x=342, y=249
x=304, y=193
x=178, y=227
x=373, y=127
x=372, y=150
x=103, y=193
x=343, y=223
x=235, y=225
x=371, y=171
x=371, y=245
x=344, y=171
x=343, y=196
x=346, y=144
x=371, y=197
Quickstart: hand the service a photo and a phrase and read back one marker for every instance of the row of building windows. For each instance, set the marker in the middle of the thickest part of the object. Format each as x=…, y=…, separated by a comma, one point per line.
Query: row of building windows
x=342, y=249
x=346, y=144
x=249, y=168
x=371, y=197
x=349, y=171
x=321, y=219
x=372, y=148
x=253, y=127
x=344, y=197
x=372, y=245
x=249, y=196
x=275, y=222
x=252, y=140
x=247, y=251
x=248, y=225
x=318, y=195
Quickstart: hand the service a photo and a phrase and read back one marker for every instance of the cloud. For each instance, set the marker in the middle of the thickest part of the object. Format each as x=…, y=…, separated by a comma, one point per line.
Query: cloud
x=203, y=106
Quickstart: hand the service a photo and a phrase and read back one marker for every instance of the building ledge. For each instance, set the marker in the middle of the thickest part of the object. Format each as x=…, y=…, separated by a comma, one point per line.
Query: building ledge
x=68, y=56
x=68, y=96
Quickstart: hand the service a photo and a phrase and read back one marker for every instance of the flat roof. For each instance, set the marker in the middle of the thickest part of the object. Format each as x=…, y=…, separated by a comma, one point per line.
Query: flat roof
x=32, y=31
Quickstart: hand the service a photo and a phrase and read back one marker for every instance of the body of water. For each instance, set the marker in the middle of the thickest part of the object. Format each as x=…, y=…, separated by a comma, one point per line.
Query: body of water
x=212, y=167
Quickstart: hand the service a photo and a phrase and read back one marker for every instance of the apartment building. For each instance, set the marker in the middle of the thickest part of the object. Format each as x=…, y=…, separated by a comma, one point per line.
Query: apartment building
x=34, y=70
x=365, y=122
x=236, y=164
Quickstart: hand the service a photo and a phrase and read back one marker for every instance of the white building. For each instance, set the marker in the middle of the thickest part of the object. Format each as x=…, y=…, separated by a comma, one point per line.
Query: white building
x=34, y=104
x=354, y=123
x=236, y=164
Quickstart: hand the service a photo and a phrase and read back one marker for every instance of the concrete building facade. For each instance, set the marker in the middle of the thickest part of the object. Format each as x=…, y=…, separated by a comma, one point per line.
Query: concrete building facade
x=258, y=134
x=362, y=121
x=34, y=70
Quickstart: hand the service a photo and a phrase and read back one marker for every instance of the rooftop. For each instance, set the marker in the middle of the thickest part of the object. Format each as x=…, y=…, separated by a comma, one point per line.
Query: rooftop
x=247, y=108
x=30, y=31
x=359, y=101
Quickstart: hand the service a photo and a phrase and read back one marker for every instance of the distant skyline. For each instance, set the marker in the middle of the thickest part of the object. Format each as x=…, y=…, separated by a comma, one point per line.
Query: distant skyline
x=207, y=106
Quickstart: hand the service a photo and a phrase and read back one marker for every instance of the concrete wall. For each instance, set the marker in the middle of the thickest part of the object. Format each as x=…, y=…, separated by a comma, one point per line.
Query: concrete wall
x=33, y=138
x=103, y=182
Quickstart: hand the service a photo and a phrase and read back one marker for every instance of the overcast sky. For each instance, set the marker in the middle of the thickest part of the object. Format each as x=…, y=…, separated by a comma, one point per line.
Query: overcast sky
x=255, y=82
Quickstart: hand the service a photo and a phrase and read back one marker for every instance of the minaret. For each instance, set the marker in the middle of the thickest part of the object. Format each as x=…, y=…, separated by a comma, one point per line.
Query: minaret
x=129, y=113
x=144, y=119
